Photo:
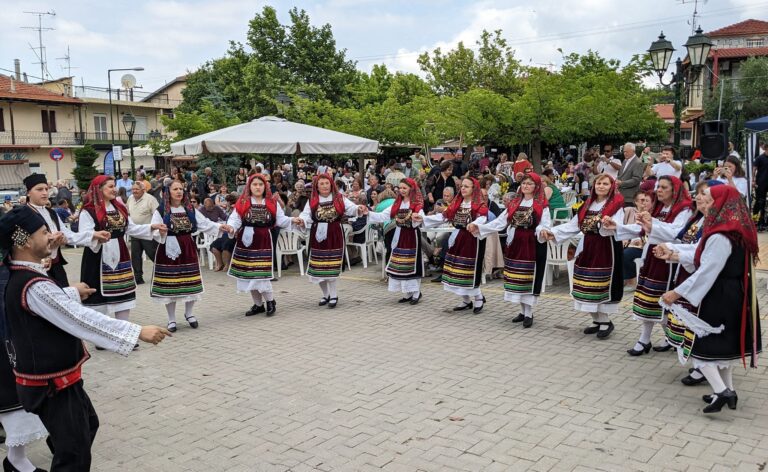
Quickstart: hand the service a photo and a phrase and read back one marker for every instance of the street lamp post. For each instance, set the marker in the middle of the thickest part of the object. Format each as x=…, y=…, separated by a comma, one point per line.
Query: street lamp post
x=661, y=50
x=738, y=103
x=129, y=123
x=109, y=93
x=154, y=137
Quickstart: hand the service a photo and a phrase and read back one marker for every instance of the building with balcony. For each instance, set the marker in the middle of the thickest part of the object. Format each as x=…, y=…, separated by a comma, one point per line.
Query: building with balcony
x=36, y=118
x=732, y=45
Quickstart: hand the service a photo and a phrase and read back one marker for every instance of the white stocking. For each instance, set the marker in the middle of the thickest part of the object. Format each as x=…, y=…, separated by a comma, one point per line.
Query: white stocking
x=332, y=289
x=256, y=296
x=712, y=373
x=324, y=288
x=527, y=310
x=727, y=374
x=171, y=309
x=268, y=296
x=645, y=332
x=188, y=310
x=122, y=315
x=17, y=456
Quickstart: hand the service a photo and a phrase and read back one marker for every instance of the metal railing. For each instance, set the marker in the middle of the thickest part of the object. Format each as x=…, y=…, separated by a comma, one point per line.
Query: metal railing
x=84, y=91
x=71, y=138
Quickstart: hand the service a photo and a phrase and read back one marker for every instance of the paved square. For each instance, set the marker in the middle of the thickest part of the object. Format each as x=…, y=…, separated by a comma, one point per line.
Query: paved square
x=377, y=385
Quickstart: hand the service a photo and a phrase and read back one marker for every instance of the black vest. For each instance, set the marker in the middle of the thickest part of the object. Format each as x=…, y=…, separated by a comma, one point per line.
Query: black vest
x=37, y=348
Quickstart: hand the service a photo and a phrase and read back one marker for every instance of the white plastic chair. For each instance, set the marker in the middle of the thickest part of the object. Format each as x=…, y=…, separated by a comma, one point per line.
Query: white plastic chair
x=371, y=236
x=557, y=256
x=569, y=196
x=347, y=229
x=561, y=215
x=289, y=243
x=203, y=243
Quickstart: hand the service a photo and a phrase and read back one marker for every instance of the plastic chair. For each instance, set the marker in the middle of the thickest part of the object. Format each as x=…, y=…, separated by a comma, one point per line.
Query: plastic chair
x=203, y=243
x=289, y=243
x=570, y=197
x=371, y=236
x=561, y=215
x=557, y=256
x=347, y=229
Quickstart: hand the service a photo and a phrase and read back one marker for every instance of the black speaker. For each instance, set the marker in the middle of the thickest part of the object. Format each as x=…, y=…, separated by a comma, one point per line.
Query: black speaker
x=714, y=140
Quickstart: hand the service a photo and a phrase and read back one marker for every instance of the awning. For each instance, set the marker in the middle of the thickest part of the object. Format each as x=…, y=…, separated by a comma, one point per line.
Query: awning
x=12, y=174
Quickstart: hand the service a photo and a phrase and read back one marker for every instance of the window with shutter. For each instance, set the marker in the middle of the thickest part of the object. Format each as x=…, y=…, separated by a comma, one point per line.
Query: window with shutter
x=2, y=121
x=49, y=121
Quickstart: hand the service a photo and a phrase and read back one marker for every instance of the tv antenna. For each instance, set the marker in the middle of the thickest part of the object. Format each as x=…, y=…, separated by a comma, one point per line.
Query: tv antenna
x=40, y=50
x=694, y=19
x=68, y=61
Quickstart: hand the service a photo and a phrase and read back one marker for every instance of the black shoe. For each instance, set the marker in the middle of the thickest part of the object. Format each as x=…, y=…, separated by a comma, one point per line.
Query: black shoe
x=332, y=302
x=727, y=396
x=405, y=300
x=172, y=326
x=604, y=333
x=324, y=301
x=528, y=322
x=8, y=467
x=689, y=381
x=271, y=307
x=255, y=310
x=98, y=348
x=194, y=324
x=478, y=309
x=139, y=280
x=465, y=306
x=664, y=348
x=592, y=329
x=645, y=350
x=519, y=318
x=708, y=399
x=416, y=300
x=438, y=278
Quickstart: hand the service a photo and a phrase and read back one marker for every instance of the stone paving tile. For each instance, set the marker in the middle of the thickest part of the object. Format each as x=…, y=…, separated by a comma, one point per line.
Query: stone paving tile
x=377, y=385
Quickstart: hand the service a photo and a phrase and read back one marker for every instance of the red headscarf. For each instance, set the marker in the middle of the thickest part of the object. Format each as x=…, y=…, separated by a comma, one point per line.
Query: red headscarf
x=415, y=197
x=243, y=204
x=681, y=199
x=338, y=199
x=539, y=198
x=730, y=217
x=614, y=201
x=94, y=199
x=479, y=208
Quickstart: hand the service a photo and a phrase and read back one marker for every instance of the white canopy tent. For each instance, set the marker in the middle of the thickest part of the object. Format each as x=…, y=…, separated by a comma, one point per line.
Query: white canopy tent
x=272, y=135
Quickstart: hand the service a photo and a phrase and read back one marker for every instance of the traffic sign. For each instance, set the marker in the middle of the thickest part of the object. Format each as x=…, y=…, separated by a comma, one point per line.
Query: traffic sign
x=56, y=154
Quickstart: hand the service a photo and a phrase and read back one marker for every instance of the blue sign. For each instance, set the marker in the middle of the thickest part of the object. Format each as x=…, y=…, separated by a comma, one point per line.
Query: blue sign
x=109, y=164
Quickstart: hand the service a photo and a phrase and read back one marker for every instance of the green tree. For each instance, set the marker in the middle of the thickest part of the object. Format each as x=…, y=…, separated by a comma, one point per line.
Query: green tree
x=85, y=171
x=493, y=67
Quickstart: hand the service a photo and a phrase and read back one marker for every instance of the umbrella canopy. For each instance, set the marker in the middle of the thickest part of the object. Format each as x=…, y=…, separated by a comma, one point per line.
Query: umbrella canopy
x=758, y=124
x=271, y=135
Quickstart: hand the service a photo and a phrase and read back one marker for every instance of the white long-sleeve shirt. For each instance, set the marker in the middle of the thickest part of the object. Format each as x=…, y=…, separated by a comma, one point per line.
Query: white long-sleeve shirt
x=111, y=254
x=500, y=223
x=80, y=238
x=570, y=229
x=350, y=209
x=385, y=216
x=62, y=308
x=236, y=222
x=204, y=225
x=716, y=252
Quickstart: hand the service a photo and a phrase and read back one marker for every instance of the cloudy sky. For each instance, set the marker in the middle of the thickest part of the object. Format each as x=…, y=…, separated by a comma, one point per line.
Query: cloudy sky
x=169, y=37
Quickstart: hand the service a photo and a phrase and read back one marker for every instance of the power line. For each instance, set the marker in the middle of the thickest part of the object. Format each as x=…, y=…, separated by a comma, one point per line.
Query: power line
x=576, y=34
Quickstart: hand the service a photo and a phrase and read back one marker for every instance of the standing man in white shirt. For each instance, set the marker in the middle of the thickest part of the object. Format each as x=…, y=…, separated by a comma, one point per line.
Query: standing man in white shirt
x=667, y=164
x=125, y=182
x=141, y=207
x=607, y=163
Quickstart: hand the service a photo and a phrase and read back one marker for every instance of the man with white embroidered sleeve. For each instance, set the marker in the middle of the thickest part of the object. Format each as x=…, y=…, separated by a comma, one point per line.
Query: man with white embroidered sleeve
x=46, y=328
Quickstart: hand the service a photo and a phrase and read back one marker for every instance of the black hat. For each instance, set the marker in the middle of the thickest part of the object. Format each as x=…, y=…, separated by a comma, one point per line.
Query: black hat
x=34, y=179
x=17, y=225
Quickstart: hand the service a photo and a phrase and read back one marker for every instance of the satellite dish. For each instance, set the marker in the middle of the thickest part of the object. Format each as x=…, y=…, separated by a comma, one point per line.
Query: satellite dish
x=128, y=81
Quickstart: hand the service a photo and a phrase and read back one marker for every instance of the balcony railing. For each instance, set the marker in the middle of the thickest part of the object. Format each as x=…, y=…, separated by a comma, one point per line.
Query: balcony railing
x=124, y=95
x=40, y=138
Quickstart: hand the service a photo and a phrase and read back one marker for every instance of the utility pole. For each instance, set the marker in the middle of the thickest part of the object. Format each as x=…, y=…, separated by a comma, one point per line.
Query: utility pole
x=39, y=28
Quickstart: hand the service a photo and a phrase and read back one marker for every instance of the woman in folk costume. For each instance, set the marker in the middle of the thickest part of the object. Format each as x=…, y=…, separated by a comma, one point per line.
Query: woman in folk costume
x=597, y=271
x=722, y=285
x=463, y=266
x=673, y=206
x=405, y=265
x=674, y=329
x=107, y=267
x=323, y=213
x=255, y=214
x=525, y=257
x=176, y=276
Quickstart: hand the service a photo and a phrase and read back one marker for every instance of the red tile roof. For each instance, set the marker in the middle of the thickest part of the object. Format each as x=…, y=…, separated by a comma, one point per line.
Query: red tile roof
x=666, y=112
x=29, y=92
x=743, y=28
x=727, y=53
